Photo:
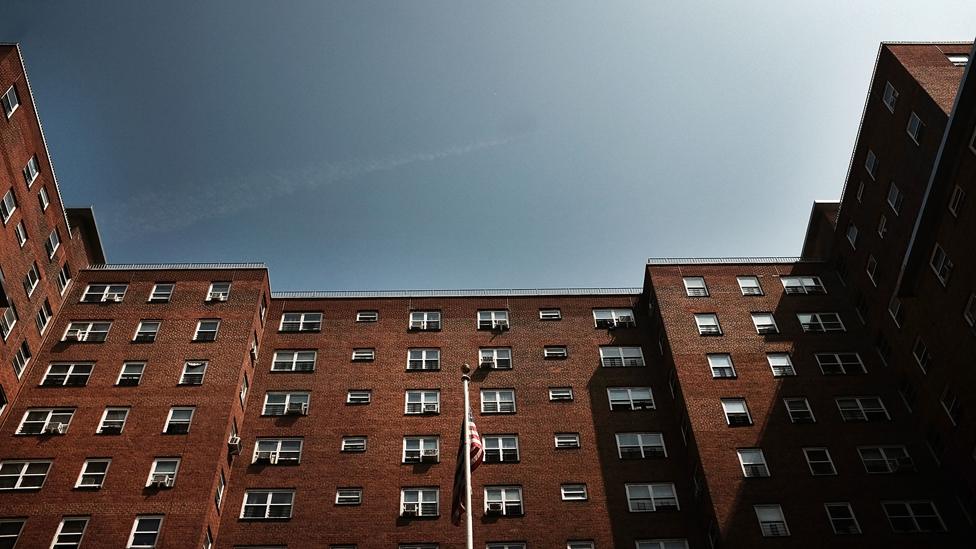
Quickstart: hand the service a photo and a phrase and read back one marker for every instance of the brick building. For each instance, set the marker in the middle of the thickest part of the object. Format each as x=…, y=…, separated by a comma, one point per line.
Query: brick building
x=750, y=402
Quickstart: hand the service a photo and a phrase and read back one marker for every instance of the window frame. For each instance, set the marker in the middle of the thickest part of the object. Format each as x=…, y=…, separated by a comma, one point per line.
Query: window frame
x=808, y=410
x=144, y=332
x=698, y=287
x=425, y=321
x=75, y=373
x=291, y=398
x=107, y=426
x=627, y=356
x=726, y=402
x=296, y=362
x=270, y=493
x=71, y=541
x=159, y=293
x=912, y=515
x=422, y=407
x=494, y=319
x=22, y=473
x=489, y=448
x=102, y=475
x=707, y=328
x=169, y=420
x=762, y=524
x=500, y=404
x=421, y=492
x=647, y=450
x=513, y=505
x=818, y=461
x=648, y=403
x=367, y=316
x=122, y=372
x=424, y=352
x=747, y=290
x=650, y=487
x=202, y=335
x=407, y=455
x=188, y=377
x=851, y=517
x=307, y=322
x=862, y=409
x=754, y=468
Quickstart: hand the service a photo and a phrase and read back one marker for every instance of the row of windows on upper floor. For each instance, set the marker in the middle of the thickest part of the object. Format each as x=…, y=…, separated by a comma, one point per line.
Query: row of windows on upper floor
x=695, y=286
x=8, y=205
x=765, y=323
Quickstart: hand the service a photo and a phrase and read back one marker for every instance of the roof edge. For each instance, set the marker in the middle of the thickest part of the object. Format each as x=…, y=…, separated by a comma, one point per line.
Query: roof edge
x=172, y=266
x=729, y=260
x=488, y=292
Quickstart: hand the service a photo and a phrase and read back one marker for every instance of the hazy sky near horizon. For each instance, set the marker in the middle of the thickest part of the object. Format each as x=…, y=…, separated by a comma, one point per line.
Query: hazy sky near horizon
x=395, y=145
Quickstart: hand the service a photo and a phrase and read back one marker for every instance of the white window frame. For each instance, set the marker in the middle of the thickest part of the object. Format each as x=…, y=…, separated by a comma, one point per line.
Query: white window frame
x=895, y=198
x=752, y=461
x=789, y=402
x=493, y=319
x=632, y=403
x=8, y=321
x=110, y=424
x=21, y=234
x=367, y=316
x=43, y=198
x=422, y=405
x=104, y=293
x=720, y=365
x=349, y=496
x=122, y=372
x=895, y=458
x=85, y=329
x=355, y=444
x=555, y=352
x=424, y=445
x=672, y=543
x=31, y=170
x=294, y=360
x=651, y=505
x=824, y=460
x=167, y=462
x=862, y=409
x=162, y=292
x=147, y=330
x=10, y=101
x=6, y=538
x=771, y=528
x=301, y=321
x=621, y=357
x=911, y=514
x=705, y=326
x=695, y=286
x=72, y=539
x=495, y=358
x=278, y=451
x=573, y=492
x=746, y=287
x=500, y=444
x=838, y=363
x=781, y=364
x=66, y=414
x=64, y=278
x=218, y=291
x=806, y=285
x=567, y=441
x=292, y=398
x=550, y=314
x=890, y=97
x=829, y=506
x=8, y=205
x=820, y=322
x=510, y=497
x=731, y=406
x=914, y=127
x=78, y=373
x=270, y=494
x=941, y=264
x=561, y=394
x=871, y=164
x=20, y=469
x=421, y=494
x=496, y=401
x=201, y=331
x=100, y=475
x=765, y=323
x=359, y=396
x=192, y=369
x=170, y=422
x=425, y=320
x=425, y=356
x=647, y=446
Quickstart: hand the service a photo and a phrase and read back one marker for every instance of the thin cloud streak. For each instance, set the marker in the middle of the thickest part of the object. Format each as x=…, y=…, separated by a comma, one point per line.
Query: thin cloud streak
x=158, y=212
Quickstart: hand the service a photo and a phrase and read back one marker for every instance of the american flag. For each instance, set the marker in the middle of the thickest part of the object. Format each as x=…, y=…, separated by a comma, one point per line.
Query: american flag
x=477, y=454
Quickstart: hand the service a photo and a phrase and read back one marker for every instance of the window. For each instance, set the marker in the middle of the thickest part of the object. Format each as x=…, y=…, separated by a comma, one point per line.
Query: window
x=92, y=332
x=349, y=496
x=862, y=409
x=567, y=440
x=969, y=313
x=495, y=358
x=43, y=316
x=419, y=502
x=113, y=421
x=43, y=199
x=421, y=449
x=753, y=462
x=69, y=533
x=10, y=531
x=23, y=475
x=8, y=205
x=764, y=323
x=424, y=359
x=31, y=279
x=146, y=331
x=68, y=375
x=720, y=365
x=882, y=226
x=103, y=293
x=958, y=59
x=640, y=446
x=860, y=191
x=708, y=324
x=951, y=405
x=772, y=523
x=941, y=264
x=921, y=354
x=354, y=444
x=576, y=544
x=820, y=322
x=573, y=492
x=799, y=410
x=955, y=201
x=425, y=320
x=301, y=322
x=818, y=459
x=293, y=361
x=913, y=516
x=550, y=314
x=93, y=473
x=560, y=393
x=219, y=291
x=800, y=285
x=914, y=128
x=422, y=402
x=749, y=285
x=695, y=286
x=493, y=320
x=503, y=500
x=359, y=397
x=131, y=374
x=504, y=545
x=145, y=530
x=267, y=504
x=193, y=372
x=367, y=316
x=10, y=101
x=781, y=364
x=163, y=472
x=53, y=243
x=841, y=518
x=621, y=357
x=31, y=170
x=281, y=404
x=871, y=164
x=501, y=448
x=872, y=270
x=161, y=293
x=498, y=401
x=643, y=498
x=21, y=234
x=852, y=235
x=554, y=352
x=662, y=544
x=278, y=451
x=206, y=330
x=890, y=96
x=840, y=363
x=178, y=421
x=64, y=277
x=219, y=493
x=630, y=398
x=8, y=320
x=736, y=412
x=886, y=459
x=895, y=198
x=52, y=421
x=21, y=358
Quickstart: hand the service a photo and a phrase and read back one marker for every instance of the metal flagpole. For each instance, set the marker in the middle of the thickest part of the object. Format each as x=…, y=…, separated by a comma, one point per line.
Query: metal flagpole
x=467, y=456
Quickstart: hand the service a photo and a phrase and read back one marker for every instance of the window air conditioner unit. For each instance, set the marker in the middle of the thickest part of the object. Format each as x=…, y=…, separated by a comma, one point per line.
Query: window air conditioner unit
x=430, y=408
x=55, y=428
x=297, y=408
x=499, y=325
x=411, y=509
x=162, y=481
x=234, y=445
x=117, y=298
x=416, y=325
x=495, y=509
x=487, y=363
x=428, y=455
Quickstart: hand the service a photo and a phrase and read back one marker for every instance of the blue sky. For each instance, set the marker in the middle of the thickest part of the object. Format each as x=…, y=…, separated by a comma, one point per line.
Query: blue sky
x=389, y=145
